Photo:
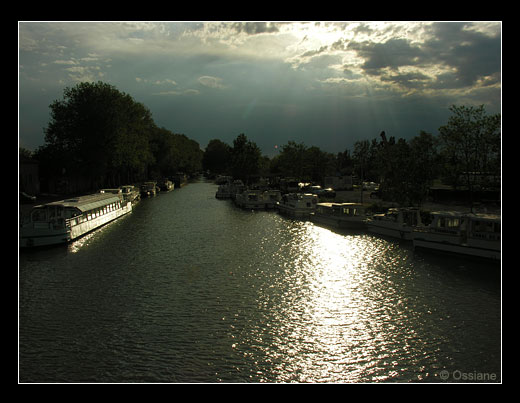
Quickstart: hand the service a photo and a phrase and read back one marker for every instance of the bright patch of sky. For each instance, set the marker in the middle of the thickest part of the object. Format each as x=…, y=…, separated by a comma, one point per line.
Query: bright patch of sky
x=322, y=83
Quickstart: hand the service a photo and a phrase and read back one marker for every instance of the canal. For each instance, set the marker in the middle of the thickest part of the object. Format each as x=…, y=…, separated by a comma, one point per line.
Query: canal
x=188, y=288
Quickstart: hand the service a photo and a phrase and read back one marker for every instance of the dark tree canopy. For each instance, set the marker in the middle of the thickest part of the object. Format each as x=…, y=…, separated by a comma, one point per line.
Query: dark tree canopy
x=104, y=136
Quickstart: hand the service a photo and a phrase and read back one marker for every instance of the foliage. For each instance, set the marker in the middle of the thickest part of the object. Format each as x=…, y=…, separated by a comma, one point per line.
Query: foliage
x=245, y=158
x=106, y=138
x=217, y=157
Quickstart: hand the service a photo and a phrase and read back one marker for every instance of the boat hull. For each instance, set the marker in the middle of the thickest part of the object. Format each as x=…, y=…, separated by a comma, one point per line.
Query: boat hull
x=46, y=234
x=294, y=211
x=462, y=249
x=338, y=222
x=404, y=233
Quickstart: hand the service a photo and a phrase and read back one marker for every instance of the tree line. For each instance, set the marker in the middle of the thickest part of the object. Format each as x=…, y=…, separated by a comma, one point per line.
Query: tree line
x=100, y=137
x=465, y=154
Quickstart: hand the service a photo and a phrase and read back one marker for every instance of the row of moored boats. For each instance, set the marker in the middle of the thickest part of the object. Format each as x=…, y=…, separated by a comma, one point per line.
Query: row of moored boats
x=474, y=234
x=65, y=220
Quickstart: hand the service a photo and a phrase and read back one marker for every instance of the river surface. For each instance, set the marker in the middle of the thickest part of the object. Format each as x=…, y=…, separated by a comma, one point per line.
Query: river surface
x=188, y=288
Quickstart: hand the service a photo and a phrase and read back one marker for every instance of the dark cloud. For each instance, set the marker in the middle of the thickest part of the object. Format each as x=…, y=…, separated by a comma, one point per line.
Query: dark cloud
x=408, y=80
x=253, y=28
x=469, y=54
x=392, y=54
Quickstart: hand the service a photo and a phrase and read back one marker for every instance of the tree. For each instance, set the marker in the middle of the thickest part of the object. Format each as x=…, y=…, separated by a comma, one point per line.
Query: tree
x=245, y=158
x=470, y=144
x=360, y=158
x=217, y=157
x=424, y=165
x=97, y=132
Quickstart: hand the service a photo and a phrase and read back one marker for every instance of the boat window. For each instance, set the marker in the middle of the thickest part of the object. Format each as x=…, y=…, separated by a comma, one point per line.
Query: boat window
x=39, y=215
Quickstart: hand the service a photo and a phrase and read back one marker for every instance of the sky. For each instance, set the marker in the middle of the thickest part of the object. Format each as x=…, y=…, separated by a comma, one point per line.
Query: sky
x=326, y=84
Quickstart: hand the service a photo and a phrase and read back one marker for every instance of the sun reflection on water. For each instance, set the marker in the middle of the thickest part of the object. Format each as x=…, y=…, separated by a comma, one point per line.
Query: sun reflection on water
x=334, y=326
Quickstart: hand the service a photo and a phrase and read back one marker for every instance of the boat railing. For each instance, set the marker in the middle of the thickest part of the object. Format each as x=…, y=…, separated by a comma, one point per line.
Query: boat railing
x=488, y=236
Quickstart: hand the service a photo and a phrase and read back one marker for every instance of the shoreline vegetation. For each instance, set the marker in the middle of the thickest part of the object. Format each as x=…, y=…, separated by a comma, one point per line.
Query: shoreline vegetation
x=99, y=137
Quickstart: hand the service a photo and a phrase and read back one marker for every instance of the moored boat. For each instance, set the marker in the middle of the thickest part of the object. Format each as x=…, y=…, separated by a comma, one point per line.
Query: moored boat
x=130, y=193
x=271, y=198
x=463, y=233
x=165, y=184
x=298, y=204
x=65, y=220
x=396, y=222
x=148, y=189
x=340, y=215
x=250, y=199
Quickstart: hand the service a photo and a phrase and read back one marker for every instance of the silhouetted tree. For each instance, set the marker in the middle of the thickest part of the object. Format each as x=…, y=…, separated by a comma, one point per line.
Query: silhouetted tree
x=245, y=158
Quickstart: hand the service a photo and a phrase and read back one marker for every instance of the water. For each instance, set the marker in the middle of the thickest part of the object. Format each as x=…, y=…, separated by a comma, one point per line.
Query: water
x=188, y=288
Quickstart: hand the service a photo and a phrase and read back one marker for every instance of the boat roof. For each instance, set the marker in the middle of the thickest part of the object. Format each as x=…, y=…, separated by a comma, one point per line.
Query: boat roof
x=331, y=204
x=479, y=216
x=86, y=202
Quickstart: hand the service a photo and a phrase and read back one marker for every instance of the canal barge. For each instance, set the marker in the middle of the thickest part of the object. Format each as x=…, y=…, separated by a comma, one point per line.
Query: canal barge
x=298, y=204
x=65, y=220
x=340, y=215
x=462, y=233
x=252, y=199
x=396, y=222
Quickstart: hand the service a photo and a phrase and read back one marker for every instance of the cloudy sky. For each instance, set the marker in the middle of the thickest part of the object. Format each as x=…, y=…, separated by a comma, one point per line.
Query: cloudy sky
x=321, y=83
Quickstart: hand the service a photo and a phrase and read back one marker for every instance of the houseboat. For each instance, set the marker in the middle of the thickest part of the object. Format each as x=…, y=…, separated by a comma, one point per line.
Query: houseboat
x=65, y=220
x=165, y=185
x=130, y=193
x=271, y=198
x=224, y=191
x=463, y=233
x=396, y=222
x=298, y=204
x=148, y=189
x=250, y=199
x=340, y=215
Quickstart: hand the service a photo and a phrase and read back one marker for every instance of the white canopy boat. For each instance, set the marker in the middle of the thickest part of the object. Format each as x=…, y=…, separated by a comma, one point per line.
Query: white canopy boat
x=298, y=204
x=463, y=233
x=396, y=222
x=65, y=220
x=340, y=215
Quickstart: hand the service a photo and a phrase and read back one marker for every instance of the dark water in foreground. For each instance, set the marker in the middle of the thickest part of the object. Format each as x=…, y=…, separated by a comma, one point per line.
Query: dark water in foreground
x=188, y=288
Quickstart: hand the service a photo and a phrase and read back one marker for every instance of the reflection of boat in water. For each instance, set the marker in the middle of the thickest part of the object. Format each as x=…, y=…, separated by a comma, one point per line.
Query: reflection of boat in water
x=396, y=222
x=463, y=233
x=65, y=220
x=298, y=204
x=340, y=215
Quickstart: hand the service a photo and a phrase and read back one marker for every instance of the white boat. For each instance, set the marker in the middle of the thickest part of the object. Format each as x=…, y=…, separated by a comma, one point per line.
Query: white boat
x=396, y=222
x=230, y=189
x=65, y=220
x=464, y=233
x=250, y=199
x=130, y=193
x=340, y=215
x=271, y=198
x=298, y=204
